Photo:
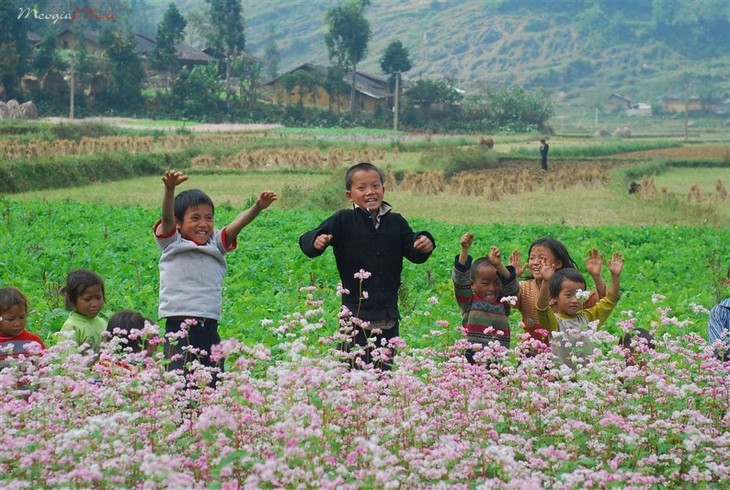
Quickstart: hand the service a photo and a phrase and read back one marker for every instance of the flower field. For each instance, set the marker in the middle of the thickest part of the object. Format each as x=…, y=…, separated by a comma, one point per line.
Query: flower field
x=287, y=414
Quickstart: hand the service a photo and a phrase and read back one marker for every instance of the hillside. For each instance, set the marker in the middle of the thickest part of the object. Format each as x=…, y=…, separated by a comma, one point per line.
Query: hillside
x=580, y=50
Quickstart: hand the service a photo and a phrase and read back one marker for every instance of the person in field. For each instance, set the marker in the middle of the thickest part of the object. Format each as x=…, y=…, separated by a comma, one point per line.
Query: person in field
x=564, y=288
x=15, y=340
x=480, y=287
x=718, y=327
x=555, y=253
x=126, y=326
x=85, y=297
x=369, y=242
x=192, y=266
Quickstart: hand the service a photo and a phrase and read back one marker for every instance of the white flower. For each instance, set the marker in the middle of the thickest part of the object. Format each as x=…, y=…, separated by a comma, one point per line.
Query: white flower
x=582, y=295
x=512, y=300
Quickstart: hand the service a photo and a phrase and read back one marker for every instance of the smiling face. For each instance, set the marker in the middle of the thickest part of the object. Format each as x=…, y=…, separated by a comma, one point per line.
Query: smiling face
x=486, y=283
x=366, y=190
x=90, y=301
x=13, y=321
x=537, y=253
x=197, y=224
x=567, y=301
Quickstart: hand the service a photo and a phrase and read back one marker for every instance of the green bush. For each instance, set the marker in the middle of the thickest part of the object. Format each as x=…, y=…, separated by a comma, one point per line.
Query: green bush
x=452, y=161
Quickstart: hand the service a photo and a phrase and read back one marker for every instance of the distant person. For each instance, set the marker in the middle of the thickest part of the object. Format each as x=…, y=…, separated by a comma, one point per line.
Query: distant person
x=563, y=287
x=85, y=297
x=556, y=254
x=369, y=242
x=718, y=328
x=192, y=267
x=480, y=287
x=14, y=338
x=544, y=148
x=127, y=325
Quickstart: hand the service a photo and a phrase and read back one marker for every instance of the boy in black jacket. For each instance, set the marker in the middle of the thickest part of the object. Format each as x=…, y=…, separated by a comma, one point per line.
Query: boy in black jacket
x=369, y=242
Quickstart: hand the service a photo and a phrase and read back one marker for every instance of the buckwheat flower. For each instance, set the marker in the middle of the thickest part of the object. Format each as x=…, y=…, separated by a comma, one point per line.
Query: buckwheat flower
x=433, y=300
x=307, y=288
x=362, y=275
x=436, y=333
x=656, y=297
x=442, y=323
x=582, y=295
x=512, y=300
x=342, y=291
x=699, y=308
x=365, y=295
x=266, y=322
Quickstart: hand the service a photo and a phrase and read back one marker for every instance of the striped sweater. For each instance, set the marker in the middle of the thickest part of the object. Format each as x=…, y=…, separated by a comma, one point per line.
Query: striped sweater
x=477, y=314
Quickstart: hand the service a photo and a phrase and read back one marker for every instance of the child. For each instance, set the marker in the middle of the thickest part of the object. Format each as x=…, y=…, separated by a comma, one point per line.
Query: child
x=192, y=266
x=84, y=292
x=122, y=323
x=14, y=338
x=371, y=238
x=562, y=287
x=718, y=328
x=479, y=288
x=557, y=255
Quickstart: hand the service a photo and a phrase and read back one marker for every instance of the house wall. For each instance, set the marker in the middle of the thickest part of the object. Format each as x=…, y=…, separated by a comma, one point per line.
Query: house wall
x=66, y=40
x=675, y=105
x=320, y=98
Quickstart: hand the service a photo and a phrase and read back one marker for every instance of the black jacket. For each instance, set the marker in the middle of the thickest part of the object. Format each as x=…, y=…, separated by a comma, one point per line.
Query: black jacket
x=358, y=245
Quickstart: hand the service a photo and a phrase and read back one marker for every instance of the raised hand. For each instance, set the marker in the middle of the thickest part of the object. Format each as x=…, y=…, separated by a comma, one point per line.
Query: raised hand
x=466, y=240
x=515, y=260
x=616, y=264
x=265, y=199
x=546, y=269
x=594, y=262
x=173, y=178
x=494, y=256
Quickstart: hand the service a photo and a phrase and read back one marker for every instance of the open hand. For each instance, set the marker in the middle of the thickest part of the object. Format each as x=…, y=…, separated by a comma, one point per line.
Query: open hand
x=265, y=199
x=173, y=178
x=594, y=262
x=515, y=260
x=547, y=270
x=616, y=264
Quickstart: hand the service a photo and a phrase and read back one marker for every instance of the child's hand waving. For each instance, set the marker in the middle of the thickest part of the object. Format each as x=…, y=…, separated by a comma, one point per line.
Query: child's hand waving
x=265, y=199
x=466, y=240
x=515, y=260
x=616, y=264
x=173, y=178
x=546, y=269
x=594, y=262
x=494, y=256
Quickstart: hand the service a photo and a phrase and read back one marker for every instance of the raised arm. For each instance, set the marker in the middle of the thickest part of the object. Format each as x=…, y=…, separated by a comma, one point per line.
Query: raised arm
x=244, y=218
x=171, y=179
x=593, y=264
x=616, y=265
x=466, y=240
x=495, y=258
x=543, y=295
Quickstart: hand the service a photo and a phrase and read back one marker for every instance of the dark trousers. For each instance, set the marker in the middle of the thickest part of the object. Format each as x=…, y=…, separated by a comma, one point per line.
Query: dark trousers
x=202, y=335
x=361, y=339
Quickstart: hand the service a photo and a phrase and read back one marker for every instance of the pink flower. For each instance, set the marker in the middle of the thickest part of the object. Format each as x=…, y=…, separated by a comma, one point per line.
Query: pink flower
x=362, y=275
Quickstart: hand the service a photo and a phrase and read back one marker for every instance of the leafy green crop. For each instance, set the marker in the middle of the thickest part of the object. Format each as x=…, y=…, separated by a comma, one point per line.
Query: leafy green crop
x=41, y=241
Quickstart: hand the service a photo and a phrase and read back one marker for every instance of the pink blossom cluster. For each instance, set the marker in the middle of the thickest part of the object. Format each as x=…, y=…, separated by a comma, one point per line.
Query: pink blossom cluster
x=291, y=416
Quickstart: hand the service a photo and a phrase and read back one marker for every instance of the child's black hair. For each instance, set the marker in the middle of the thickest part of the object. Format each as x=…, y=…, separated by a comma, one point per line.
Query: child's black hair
x=560, y=275
x=477, y=264
x=191, y=198
x=77, y=282
x=9, y=297
x=362, y=167
x=127, y=320
x=557, y=248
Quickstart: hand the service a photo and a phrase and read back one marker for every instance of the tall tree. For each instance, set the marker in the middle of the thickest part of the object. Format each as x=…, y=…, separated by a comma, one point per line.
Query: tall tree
x=170, y=32
x=272, y=57
x=125, y=70
x=347, y=39
x=13, y=49
x=395, y=61
x=228, y=37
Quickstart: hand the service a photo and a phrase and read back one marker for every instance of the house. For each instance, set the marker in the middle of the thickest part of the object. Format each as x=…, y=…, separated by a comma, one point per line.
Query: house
x=618, y=101
x=675, y=102
x=143, y=45
x=310, y=85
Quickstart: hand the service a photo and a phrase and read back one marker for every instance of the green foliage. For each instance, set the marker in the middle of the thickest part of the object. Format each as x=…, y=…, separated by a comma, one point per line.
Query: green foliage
x=124, y=92
x=228, y=36
x=170, y=32
x=589, y=151
x=396, y=59
x=69, y=171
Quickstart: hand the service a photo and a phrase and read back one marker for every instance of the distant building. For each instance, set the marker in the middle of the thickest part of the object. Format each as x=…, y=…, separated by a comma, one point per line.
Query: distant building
x=675, y=102
x=618, y=101
x=639, y=109
x=310, y=85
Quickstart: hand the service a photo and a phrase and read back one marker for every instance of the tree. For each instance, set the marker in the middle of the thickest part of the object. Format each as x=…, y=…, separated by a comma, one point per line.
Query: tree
x=170, y=32
x=347, y=39
x=125, y=70
x=228, y=37
x=13, y=49
x=272, y=56
x=47, y=57
x=395, y=61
